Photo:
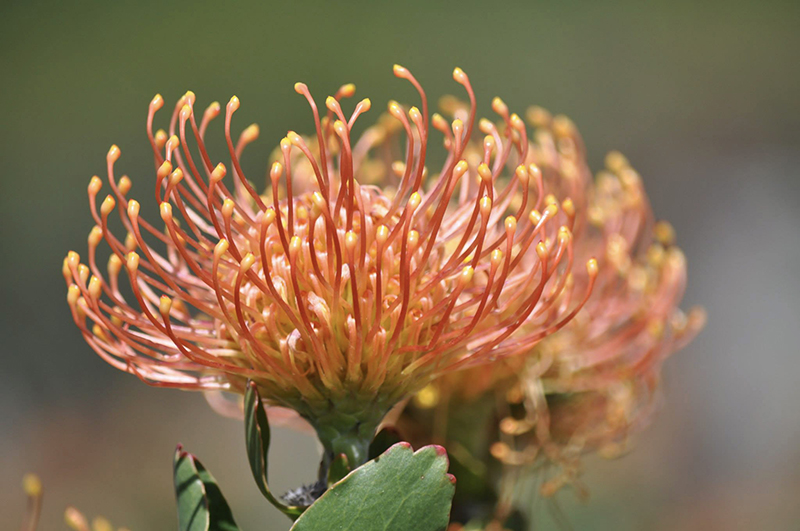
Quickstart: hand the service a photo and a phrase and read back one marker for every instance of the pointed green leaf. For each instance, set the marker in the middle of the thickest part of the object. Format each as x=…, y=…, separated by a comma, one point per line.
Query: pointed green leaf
x=397, y=491
x=201, y=506
x=257, y=438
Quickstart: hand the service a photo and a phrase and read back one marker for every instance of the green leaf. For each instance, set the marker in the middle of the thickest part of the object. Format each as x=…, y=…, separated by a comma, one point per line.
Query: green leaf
x=201, y=506
x=257, y=438
x=397, y=491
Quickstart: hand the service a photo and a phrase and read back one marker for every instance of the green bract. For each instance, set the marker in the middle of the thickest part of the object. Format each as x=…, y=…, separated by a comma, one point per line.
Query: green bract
x=201, y=506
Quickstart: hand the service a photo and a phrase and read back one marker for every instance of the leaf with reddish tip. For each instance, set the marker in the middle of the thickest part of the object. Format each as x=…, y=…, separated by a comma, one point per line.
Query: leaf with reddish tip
x=397, y=491
x=201, y=506
x=257, y=438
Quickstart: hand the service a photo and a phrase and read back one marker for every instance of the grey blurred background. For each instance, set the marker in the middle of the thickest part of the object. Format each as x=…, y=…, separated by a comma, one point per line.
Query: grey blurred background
x=703, y=99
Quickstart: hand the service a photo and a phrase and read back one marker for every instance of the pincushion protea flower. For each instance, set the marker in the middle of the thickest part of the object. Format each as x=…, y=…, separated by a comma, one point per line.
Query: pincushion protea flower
x=593, y=383
x=337, y=297
x=596, y=382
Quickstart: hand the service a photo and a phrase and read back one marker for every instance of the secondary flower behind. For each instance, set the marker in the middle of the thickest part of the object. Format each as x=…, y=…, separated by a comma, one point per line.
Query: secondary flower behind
x=357, y=278
x=594, y=383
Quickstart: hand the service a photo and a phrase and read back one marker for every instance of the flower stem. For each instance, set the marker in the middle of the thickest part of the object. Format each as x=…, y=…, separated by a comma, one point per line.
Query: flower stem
x=348, y=436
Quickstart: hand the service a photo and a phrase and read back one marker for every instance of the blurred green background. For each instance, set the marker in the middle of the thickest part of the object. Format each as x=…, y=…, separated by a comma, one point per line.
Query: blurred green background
x=703, y=99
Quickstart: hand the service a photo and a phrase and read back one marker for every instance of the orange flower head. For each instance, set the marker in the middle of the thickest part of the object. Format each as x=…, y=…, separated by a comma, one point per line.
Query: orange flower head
x=358, y=277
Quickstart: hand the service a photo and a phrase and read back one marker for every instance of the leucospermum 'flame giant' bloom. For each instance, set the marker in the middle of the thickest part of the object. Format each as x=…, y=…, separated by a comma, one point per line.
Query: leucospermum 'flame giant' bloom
x=337, y=297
